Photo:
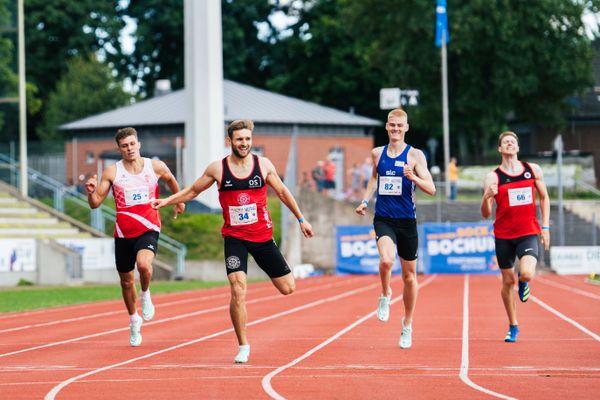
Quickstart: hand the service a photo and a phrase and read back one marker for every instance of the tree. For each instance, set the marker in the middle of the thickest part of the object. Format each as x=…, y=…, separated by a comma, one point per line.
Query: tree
x=158, y=52
x=87, y=88
x=58, y=30
x=506, y=57
x=8, y=76
x=317, y=60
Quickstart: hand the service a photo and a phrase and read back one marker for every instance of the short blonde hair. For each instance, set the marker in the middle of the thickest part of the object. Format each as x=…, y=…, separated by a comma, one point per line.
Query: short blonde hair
x=397, y=112
x=507, y=133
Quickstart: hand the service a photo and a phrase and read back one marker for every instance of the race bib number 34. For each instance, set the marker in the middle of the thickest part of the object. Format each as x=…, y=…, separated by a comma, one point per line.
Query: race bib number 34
x=136, y=196
x=520, y=197
x=243, y=215
x=390, y=185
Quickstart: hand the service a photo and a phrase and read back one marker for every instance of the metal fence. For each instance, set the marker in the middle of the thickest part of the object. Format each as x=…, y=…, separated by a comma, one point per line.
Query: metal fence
x=43, y=187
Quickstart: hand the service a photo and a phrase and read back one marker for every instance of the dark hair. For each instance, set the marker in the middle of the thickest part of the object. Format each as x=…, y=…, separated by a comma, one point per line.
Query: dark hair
x=239, y=124
x=124, y=132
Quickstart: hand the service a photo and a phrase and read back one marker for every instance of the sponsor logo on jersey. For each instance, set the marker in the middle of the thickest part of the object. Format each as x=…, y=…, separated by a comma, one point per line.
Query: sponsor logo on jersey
x=527, y=175
x=390, y=172
x=255, y=181
x=243, y=198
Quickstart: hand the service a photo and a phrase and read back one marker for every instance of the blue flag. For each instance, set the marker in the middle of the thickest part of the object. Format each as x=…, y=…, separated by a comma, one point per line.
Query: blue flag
x=441, y=23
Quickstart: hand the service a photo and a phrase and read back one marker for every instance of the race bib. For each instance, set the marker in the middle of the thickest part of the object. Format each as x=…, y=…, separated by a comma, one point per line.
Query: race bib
x=390, y=185
x=520, y=197
x=243, y=215
x=140, y=195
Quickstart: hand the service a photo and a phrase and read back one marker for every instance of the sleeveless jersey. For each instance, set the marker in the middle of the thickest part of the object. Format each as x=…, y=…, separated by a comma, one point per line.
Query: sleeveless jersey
x=395, y=193
x=134, y=195
x=244, y=203
x=515, y=204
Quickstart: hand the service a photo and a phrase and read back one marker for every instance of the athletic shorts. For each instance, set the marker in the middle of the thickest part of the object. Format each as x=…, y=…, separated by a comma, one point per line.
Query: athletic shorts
x=266, y=254
x=508, y=249
x=402, y=231
x=126, y=249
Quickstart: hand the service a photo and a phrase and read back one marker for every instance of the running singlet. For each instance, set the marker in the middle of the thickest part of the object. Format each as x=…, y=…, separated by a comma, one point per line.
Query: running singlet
x=515, y=200
x=395, y=193
x=244, y=203
x=134, y=195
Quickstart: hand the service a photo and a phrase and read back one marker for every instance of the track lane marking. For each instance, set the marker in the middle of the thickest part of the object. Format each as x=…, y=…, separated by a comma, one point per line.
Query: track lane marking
x=51, y=395
x=175, y=318
x=266, y=381
x=464, y=365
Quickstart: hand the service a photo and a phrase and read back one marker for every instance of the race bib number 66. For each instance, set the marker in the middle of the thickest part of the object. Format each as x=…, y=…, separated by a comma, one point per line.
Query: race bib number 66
x=520, y=197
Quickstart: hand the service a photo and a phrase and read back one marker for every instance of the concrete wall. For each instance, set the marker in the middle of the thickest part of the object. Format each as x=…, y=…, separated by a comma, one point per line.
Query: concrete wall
x=324, y=214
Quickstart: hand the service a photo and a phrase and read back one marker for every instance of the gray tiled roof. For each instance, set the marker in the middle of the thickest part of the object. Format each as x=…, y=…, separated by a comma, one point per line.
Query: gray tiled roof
x=241, y=102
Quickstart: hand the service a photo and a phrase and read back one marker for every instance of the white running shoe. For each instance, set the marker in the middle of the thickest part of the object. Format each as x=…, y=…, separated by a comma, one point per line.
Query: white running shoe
x=383, y=309
x=147, y=307
x=243, y=354
x=135, y=333
x=406, y=337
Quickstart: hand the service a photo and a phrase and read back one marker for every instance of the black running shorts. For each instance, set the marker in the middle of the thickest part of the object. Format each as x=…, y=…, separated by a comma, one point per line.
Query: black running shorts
x=266, y=254
x=508, y=249
x=126, y=249
x=402, y=231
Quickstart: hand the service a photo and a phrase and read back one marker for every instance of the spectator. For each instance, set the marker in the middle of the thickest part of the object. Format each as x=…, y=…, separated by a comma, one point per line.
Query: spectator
x=453, y=178
x=329, y=177
x=317, y=176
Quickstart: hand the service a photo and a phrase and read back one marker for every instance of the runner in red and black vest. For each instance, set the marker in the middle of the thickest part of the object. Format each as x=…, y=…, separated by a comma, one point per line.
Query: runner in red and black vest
x=242, y=178
x=516, y=227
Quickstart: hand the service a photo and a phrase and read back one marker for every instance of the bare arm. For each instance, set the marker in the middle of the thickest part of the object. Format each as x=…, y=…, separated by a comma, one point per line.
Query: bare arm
x=284, y=195
x=419, y=173
x=163, y=172
x=490, y=189
x=191, y=192
x=372, y=184
x=542, y=190
x=98, y=192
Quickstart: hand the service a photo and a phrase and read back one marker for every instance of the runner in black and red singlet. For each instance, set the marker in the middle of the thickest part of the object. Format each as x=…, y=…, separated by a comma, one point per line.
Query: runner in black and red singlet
x=242, y=178
x=513, y=185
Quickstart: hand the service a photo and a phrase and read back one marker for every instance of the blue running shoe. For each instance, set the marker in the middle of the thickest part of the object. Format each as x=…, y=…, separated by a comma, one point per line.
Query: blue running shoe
x=524, y=291
x=511, y=336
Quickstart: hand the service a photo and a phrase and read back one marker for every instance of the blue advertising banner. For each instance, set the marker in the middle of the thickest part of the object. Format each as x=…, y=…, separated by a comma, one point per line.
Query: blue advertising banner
x=356, y=251
x=457, y=248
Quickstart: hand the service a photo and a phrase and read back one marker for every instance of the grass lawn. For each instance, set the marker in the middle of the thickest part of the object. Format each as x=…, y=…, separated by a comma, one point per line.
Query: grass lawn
x=30, y=298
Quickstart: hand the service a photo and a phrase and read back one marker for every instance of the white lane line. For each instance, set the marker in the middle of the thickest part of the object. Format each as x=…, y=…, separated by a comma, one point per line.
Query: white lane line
x=158, y=307
x=464, y=365
x=565, y=318
x=51, y=395
x=569, y=288
x=266, y=381
x=160, y=321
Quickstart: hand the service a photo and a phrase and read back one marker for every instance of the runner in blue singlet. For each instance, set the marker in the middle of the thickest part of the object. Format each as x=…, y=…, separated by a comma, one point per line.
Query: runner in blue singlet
x=400, y=169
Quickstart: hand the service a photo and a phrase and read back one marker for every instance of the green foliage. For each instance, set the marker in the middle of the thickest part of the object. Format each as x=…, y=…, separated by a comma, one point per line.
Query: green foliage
x=158, y=52
x=505, y=57
x=58, y=30
x=8, y=76
x=86, y=88
x=31, y=298
x=24, y=282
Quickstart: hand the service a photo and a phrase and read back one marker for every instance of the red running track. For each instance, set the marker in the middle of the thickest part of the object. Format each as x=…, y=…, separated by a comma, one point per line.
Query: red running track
x=322, y=342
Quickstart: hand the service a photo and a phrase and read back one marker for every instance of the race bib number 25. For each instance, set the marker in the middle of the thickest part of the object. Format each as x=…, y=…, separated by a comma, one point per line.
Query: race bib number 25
x=136, y=196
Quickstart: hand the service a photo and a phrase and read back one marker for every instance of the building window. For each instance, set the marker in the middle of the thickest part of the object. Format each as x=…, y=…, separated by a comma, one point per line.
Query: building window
x=89, y=157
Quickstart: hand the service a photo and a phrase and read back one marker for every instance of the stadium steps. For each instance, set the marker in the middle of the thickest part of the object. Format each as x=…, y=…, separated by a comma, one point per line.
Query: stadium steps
x=23, y=217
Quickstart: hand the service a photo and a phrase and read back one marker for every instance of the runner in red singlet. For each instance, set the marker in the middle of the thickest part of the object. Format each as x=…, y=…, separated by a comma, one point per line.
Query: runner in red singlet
x=134, y=181
x=242, y=178
x=516, y=227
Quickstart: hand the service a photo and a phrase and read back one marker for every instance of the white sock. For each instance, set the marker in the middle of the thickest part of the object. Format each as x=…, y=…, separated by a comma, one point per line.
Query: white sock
x=134, y=318
x=245, y=347
x=406, y=326
x=146, y=294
